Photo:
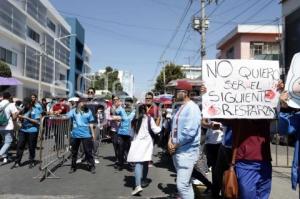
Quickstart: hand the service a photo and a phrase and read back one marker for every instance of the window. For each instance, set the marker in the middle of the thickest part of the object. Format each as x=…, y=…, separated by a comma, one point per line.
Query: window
x=264, y=50
x=8, y=56
x=62, y=77
x=51, y=25
x=33, y=35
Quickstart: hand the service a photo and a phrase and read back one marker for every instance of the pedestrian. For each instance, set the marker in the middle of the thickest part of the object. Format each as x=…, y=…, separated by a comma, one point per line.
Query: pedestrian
x=82, y=132
x=8, y=113
x=113, y=126
x=28, y=133
x=36, y=103
x=213, y=141
x=184, y=141
x=141, y=148
x=289, y=124
x=123, y=134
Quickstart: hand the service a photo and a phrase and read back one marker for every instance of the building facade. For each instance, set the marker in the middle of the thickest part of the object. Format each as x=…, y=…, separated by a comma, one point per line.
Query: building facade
x=251, y=42
x=79, y=59
x=35, y=44
x=291, y=30
x=191, y=72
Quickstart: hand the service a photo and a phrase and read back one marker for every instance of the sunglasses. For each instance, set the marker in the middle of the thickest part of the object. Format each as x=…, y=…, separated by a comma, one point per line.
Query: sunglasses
x=149, y=98
x=90, y=92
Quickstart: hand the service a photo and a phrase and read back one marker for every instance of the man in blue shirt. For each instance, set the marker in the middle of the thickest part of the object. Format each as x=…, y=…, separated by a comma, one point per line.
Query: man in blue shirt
x=83, y=132
x=185, y=139
x=124, y=133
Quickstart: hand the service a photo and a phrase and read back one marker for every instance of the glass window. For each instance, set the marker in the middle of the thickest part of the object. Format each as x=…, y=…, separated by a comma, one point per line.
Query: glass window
x=8, y=56
x=2, y=54
x=14, y=60
x=51, y=25
x=33, y=35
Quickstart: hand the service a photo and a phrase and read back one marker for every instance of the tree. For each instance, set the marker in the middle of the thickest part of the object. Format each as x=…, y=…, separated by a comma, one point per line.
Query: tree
x=4, y=70
x=109, y=80
x=172, y=72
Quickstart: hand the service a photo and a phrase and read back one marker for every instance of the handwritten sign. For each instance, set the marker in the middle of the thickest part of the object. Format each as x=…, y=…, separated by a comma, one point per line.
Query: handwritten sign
x=240, y=88
x=293, y=82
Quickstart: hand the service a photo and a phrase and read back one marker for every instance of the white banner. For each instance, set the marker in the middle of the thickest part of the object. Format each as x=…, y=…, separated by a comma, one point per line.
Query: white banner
x=292, y=84
x=240, y=88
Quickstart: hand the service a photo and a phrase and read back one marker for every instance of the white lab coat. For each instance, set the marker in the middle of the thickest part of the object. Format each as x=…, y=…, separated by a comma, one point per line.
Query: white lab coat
x=141, y=148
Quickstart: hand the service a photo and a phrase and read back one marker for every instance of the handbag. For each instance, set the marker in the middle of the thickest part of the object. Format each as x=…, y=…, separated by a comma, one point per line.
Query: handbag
x=230, y=183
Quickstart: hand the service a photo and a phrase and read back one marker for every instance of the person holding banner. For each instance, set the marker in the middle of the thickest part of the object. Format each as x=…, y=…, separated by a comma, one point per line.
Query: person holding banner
x=185, y=139
x=82, y=132
x=289, y=123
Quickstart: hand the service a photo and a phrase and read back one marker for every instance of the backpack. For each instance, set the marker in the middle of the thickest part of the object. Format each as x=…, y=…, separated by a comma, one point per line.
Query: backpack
x=3, y=117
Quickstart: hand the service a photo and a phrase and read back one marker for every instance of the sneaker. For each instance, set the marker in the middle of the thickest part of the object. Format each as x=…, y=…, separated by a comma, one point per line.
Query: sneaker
x=197, y=182
x=93, y=170
x=137, y=190
x=72, y=170
x=146, y=182
x=5, y=160
x=31, y=165
x=16, y=165
x=79, y=160
x=97, y=161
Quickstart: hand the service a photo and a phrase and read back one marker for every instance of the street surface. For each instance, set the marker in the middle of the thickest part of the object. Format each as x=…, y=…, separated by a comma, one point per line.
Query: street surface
x=109, y=183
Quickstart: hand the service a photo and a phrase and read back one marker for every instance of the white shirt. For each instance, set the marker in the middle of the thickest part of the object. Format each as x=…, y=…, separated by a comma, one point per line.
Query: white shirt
x=214, y=136
x=9, y=110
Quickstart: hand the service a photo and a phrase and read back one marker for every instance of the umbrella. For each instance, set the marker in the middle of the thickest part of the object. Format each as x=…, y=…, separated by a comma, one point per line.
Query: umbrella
x=11, y=81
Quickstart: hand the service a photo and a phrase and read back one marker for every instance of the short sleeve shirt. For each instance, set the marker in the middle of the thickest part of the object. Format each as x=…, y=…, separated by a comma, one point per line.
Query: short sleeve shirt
x=81, y=123
x=9, y=110
x=29, y=127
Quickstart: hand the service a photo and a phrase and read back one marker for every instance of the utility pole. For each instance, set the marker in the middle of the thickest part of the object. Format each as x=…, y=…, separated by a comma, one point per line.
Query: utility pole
x=204, y=21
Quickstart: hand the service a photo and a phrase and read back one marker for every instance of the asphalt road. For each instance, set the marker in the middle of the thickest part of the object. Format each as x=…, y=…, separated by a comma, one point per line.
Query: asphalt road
x=109, y=183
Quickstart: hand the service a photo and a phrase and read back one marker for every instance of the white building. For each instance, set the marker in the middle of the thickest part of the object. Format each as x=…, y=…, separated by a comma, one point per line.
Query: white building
x=29, y=31
x=126, y=79
x=191, y=72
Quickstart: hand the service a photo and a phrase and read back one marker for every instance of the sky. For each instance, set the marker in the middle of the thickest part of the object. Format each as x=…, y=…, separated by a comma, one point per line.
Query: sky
x=136, y=35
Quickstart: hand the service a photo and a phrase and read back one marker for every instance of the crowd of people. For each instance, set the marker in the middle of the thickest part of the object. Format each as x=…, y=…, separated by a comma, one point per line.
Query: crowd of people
x=195, y=144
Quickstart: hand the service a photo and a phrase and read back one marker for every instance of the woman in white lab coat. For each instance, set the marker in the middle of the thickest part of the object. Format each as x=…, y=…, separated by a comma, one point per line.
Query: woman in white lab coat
x=141, y=148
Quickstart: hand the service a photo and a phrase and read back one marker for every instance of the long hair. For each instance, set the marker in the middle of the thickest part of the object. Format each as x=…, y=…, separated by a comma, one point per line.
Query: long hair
x=137, y=121
x=27, y=105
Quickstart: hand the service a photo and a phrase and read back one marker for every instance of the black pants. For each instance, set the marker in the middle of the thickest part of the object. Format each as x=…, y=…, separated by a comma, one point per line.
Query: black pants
x=88, y=145
x=114, y=140
x=122, y=148
x=212, y=151
x=23, y=138
x=223, y=163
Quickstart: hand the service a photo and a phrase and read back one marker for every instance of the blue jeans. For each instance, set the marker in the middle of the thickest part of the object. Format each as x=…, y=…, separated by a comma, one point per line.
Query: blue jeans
x=254, y=178
x=184, y=163
x=140, y=172
x=7, y=138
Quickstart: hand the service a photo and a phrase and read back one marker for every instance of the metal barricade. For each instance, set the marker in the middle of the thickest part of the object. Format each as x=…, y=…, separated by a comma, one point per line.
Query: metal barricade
x=54, y=142
x=282, y=147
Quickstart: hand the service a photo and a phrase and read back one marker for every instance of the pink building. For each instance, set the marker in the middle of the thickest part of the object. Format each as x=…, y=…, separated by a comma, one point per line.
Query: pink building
x=251, y=42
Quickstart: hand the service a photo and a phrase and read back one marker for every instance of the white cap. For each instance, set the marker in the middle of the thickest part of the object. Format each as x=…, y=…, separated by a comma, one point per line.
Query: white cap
x=73, y=99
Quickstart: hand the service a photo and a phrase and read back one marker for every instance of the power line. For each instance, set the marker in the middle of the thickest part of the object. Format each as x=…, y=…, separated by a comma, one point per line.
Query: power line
x=180, y=22
x=236, y=16
x=181, y=43
x=114, y=22
x=216, y=8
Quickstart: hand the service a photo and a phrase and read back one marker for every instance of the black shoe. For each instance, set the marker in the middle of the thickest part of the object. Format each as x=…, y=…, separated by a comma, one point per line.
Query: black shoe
x=31, y=164
x=93, y=170
x=145, y=183
x=16, y=165
x=72, y=170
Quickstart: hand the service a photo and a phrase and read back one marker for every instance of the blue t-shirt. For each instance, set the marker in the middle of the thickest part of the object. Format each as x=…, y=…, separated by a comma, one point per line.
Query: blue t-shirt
x=81, y=123
x=29, y=127
x=124, y=128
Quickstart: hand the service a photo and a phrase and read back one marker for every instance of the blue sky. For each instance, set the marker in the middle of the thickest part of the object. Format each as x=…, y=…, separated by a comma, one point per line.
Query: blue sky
x=132, y=35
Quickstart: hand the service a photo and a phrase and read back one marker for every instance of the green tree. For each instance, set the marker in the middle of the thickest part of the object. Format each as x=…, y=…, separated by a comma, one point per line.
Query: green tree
x=172, y=72
x=4, y=72
x=109, y=80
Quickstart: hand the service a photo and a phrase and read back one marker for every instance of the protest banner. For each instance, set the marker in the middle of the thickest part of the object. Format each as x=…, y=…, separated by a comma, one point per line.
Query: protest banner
x=292, y=84
x=240, y=89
